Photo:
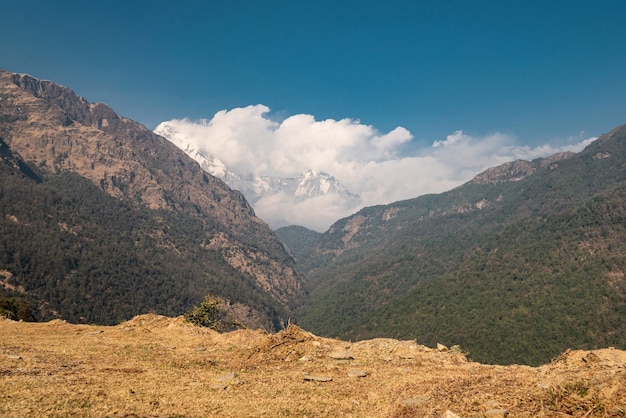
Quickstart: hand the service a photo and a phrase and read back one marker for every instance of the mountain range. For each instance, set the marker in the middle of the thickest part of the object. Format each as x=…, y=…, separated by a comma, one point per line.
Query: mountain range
x=101, y=219
x=306, y=185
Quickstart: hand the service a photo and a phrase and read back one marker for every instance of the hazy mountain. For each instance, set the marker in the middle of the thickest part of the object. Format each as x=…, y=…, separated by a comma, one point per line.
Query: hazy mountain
x=306, y=185
x=298, y=240
x=102, y=219
x=522, y=262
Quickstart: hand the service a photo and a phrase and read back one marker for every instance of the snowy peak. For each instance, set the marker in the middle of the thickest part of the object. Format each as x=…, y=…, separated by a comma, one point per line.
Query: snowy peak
x=307, y=185
x=209, y=163
x=313, y=183
x=313, y=199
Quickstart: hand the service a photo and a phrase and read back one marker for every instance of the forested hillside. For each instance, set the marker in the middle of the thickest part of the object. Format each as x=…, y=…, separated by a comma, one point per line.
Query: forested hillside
x=84, y=256
x=300, y=241
x=101, y=220
x=515, y=266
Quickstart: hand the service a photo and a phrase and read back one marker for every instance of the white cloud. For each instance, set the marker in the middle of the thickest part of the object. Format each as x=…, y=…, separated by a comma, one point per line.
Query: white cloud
x=368, y=162
x=316, y=213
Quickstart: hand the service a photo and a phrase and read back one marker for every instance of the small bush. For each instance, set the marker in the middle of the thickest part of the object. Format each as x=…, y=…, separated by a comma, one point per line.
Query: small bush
x=209, y=314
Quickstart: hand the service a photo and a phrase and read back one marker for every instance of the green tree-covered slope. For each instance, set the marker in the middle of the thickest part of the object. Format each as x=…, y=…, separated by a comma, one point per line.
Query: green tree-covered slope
x=300, y=241
x=514, y=269
x=101, y=219
x=77, y=253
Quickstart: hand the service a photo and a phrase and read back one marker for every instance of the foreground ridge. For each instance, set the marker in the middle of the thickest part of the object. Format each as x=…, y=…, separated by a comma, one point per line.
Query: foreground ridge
x=159, y=366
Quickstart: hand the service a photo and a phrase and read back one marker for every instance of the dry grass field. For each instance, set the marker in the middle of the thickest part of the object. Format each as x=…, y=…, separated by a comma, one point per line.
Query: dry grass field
x=154, y=366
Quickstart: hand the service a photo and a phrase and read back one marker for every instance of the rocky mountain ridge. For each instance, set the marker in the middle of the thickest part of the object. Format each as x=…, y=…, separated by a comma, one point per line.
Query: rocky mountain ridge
x=519, y=169
x=55, y=131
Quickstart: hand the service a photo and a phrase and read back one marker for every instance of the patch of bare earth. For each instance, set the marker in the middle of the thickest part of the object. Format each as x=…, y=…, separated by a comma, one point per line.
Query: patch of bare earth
x=158, y=366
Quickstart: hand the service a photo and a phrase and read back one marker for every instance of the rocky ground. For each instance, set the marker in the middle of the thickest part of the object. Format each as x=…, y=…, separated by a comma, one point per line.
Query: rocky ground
x=154, y=366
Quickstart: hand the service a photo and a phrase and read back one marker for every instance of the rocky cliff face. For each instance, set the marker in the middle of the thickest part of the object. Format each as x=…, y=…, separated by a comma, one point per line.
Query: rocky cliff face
x=519, y=169
x=52, y=128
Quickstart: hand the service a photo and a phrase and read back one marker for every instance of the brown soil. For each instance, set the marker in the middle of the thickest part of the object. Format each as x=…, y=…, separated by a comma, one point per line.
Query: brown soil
x=154, y=366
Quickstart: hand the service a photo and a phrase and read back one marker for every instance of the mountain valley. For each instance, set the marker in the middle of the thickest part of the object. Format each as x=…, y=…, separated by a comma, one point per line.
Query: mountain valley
x=102, y=219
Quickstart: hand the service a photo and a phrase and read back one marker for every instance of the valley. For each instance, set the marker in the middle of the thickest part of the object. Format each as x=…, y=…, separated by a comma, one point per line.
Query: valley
x=103, y=220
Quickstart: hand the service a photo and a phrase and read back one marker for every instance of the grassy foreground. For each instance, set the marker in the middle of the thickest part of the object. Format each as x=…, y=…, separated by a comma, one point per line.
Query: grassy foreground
x=155, y=366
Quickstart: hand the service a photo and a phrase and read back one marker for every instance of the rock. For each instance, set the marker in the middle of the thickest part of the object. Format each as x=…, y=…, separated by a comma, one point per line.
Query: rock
x=441, y=347
x=591, y=358
x=616, y=411
x=497, y=413
x=305, y=358
x=417, y=401
x=223, y=380
x=227, y=377
x=314, y=378
x=341, y=355
x=492, y=405
x=450, y=414
x=358, y=373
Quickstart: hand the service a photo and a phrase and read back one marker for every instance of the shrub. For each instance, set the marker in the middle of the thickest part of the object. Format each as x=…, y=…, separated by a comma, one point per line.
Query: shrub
x=209, y=314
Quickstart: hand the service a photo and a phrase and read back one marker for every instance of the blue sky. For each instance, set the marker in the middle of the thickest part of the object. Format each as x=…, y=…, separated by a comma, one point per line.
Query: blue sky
x=394, y=98
x=539, y=70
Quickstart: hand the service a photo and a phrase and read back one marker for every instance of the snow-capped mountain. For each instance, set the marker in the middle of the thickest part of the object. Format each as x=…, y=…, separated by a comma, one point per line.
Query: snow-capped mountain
x=307, y=185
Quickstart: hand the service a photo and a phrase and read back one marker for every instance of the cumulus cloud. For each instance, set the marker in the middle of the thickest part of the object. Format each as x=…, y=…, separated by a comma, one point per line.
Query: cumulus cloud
x=316, y=213
x=369, y=163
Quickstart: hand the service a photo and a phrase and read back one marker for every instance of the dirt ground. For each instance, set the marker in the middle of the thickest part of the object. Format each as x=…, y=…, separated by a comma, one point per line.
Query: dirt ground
x=154, y=366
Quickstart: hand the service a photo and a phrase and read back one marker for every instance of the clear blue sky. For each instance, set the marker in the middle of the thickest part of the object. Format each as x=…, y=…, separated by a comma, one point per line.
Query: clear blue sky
x=540, y=70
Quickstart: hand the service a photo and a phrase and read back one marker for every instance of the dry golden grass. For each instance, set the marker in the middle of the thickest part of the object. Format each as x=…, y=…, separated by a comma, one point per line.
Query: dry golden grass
x=153, y=366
